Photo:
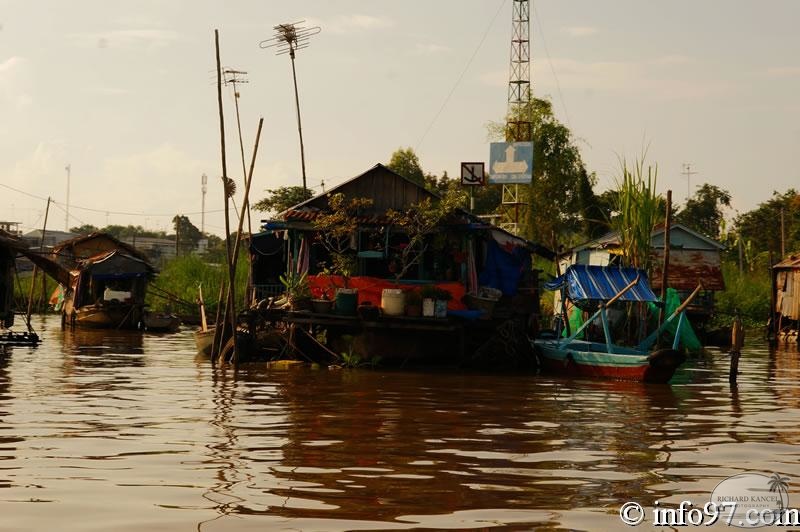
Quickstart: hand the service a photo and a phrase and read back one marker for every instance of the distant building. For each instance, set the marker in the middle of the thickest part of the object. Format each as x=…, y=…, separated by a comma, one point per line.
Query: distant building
x=51, y=237
x=693, y=258
x=785, y=322
x=157, y=250
x=12, y=228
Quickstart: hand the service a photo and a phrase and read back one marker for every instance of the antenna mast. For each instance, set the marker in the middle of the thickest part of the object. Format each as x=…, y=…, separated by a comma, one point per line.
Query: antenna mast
x=289, y=38
x=687, y=171
x=204, y=189
x=68, y=168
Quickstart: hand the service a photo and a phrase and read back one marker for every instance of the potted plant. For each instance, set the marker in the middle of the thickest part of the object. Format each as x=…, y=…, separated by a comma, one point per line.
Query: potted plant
x=413, y=304
x=322, y=304
x=297, y=290
x=335, y=229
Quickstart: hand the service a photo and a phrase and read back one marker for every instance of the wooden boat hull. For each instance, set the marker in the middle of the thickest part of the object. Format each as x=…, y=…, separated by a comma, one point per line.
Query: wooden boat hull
x=161, y=322
x=590, y=360
x=204, y=340
x=107, y=317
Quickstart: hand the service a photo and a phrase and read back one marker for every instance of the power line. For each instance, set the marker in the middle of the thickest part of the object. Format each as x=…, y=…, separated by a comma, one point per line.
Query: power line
x=101, y=211
x=552, y=69
x=460, y=77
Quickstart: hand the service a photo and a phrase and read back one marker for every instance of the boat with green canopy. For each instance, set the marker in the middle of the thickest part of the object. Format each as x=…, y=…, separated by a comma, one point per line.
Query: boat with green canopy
x=598, y=287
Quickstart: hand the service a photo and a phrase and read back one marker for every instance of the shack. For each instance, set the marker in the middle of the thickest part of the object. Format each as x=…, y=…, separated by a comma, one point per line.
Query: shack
x=107, y=282
x=785, y=322
x=693, y=258
x=483, y=273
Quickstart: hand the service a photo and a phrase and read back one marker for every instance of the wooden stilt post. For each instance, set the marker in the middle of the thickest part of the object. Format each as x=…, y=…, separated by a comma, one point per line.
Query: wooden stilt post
x=737, y=341
x=665, y=269
x=36, y=268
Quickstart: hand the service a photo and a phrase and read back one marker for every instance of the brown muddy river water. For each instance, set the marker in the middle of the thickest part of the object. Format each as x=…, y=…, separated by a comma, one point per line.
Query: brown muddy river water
x=116, y=431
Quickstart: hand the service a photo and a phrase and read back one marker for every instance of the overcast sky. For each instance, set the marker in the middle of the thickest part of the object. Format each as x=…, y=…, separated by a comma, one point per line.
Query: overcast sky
x=124, y=92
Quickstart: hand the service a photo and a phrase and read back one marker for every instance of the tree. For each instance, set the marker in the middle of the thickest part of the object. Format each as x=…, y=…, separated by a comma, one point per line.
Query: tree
x=186, y=233
x=703, y=211
x=283, y=198
x=84, y=229
x=761, y=226
x=335, y=229
x=406, y=163
x=554, y=196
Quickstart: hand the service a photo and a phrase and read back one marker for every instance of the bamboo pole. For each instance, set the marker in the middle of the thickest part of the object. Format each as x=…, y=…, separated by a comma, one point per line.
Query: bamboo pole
x=220, y=333
x=235, y=257
x=36, y=268
x=737, y=342
x=665, y=269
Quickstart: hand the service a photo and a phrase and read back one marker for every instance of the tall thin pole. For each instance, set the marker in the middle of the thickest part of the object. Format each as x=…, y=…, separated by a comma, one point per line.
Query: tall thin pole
x=204, y=189
x=68, y=168
x=219, y=335
x=299, y=124
x=36, y=268
x=783, y=236
x=665, y=268
x=687, y=171
x=289, y=38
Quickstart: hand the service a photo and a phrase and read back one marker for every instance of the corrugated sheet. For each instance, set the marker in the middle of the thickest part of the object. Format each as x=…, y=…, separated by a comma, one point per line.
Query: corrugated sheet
x=601, y=283
x=790, y=263
x=687, y=268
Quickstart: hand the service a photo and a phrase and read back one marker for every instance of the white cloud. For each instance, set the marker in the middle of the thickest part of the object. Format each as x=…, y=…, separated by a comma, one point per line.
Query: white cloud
x=149, y=39
x=580, y=31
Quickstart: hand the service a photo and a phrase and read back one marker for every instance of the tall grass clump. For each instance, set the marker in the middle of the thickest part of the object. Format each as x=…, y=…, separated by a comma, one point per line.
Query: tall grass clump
x=639, y=208
x=182, y=276
x=748, y=292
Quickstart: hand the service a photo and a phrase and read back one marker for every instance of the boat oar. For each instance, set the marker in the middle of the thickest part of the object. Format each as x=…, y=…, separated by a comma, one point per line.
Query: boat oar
x=622, y=292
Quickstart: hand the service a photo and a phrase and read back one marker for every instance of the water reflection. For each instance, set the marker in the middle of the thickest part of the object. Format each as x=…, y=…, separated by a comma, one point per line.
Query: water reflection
x=134, y=431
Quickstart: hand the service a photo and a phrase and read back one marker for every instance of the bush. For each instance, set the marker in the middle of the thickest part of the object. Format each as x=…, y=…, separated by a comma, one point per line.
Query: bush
x=749, y=293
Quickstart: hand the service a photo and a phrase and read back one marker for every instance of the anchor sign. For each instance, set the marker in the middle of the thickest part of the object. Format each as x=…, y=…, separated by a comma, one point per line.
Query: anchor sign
x=472, y=174
x=510, y=163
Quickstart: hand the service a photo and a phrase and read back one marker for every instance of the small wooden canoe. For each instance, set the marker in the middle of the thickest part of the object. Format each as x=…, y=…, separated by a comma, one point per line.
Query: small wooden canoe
x=161, y=322
x=204, y=341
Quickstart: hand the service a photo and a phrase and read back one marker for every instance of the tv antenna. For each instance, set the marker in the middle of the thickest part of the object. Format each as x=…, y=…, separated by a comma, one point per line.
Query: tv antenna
x=687, y=171
x=288, y=39
x=232, y=77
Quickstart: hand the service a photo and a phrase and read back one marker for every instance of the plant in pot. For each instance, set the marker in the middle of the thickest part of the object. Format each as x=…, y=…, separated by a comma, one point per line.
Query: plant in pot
x=335, y=229
x=297, y=290
x=418, y=223
x=413, y=304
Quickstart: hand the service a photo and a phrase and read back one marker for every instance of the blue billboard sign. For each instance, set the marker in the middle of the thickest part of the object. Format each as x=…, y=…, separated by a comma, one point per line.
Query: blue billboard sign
x=510, y=163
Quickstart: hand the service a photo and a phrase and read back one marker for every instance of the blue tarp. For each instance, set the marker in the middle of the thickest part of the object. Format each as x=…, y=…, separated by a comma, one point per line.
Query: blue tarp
x=503, y=269
x=601, y=283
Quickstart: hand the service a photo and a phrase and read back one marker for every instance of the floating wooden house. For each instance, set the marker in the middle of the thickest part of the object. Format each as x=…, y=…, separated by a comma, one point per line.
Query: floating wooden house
x=107, y=282
x=484, y=271
x=693, y=258
x=786, y=297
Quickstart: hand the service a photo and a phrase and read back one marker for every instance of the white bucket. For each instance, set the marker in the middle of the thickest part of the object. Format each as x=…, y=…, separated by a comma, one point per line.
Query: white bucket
x=393, y=302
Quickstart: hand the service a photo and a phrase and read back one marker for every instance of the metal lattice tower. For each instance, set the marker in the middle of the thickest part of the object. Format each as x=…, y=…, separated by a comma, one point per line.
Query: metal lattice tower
x=519, y=127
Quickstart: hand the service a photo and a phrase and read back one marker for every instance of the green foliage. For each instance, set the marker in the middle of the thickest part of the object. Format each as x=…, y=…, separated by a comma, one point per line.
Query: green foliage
x=557, y=195
x=296, y=284
x=22, y=289
x=761, y=226
x=187, y=234
x=748, y=292
x=281, y=199
x=336, y=227
x=118, y=231
x=639, y=209
x=703, y=211
x=419, y=222
x=406, y=163
x=182, y=276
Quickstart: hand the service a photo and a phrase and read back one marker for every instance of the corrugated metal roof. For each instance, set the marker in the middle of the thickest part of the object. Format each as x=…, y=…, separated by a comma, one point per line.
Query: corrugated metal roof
x=790, y=263
x=601, y=283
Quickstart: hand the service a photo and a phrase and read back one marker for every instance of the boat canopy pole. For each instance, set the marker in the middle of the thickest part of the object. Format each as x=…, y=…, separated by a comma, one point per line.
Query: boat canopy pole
x=602, y=313
x=650, y=340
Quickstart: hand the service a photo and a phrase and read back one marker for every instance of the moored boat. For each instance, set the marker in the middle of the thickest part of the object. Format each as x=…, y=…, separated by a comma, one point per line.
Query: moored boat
x=602, y=286
x=160, y=322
